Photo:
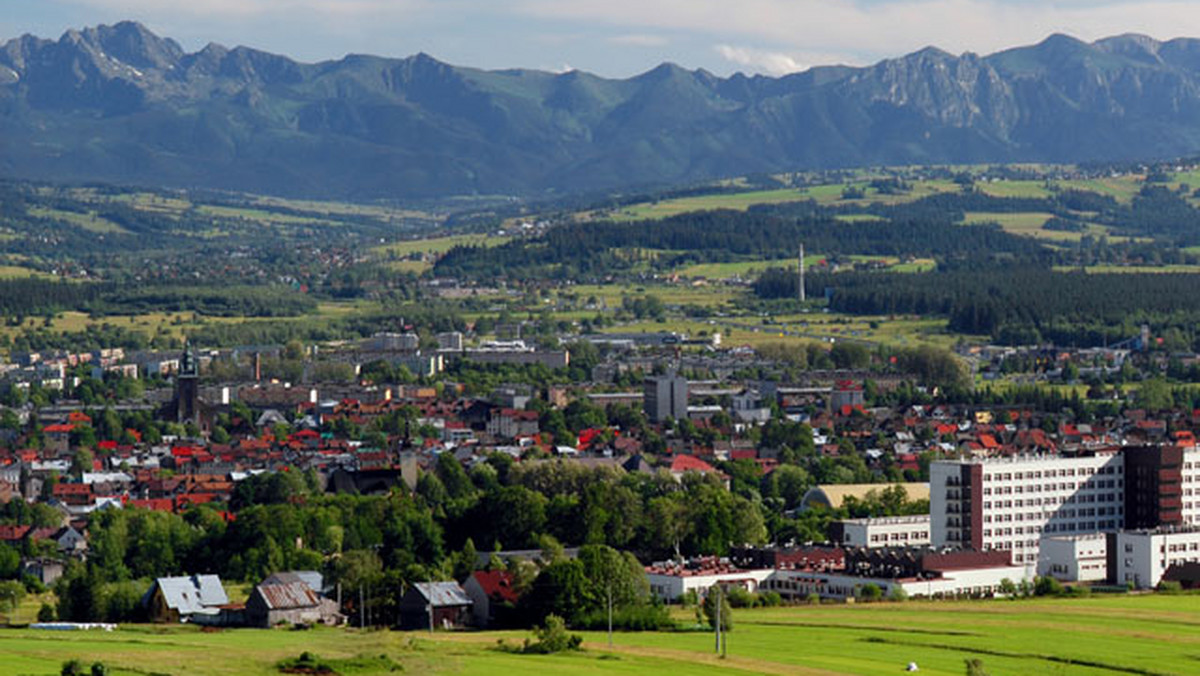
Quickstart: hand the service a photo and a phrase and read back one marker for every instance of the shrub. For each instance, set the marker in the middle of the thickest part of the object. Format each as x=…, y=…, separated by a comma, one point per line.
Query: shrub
x=553, y=638
x=975, y=667
x=306, y=663
x=870, y=592
x=98, y=669
x=740, y=598
x=1169, y=587
x=1047, y=586
x=770, y=599
x=46, y=613
x=73, y=668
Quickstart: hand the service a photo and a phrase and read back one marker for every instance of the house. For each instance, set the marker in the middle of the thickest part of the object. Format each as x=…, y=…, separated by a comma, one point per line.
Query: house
x=70, y=540
x=192, y=598
x=289, y=603
x=434, y=604
x=46, y=571
x=490, y=591
x=312, y=578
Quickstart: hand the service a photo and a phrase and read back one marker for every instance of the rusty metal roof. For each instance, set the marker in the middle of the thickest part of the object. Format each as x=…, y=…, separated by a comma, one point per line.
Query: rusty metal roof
x=285, y=596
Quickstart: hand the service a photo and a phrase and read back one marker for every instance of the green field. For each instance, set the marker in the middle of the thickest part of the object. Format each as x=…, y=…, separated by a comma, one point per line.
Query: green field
x=438, y=245
x=89, y=221
x=1078, y=637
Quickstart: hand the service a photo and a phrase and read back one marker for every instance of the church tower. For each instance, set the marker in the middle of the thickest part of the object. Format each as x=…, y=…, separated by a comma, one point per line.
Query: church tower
x=187, y=388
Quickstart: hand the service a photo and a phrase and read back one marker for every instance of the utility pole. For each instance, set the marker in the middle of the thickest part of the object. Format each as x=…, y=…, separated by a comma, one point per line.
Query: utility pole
x=717, y=591
x=362, y=609
x=610, y=615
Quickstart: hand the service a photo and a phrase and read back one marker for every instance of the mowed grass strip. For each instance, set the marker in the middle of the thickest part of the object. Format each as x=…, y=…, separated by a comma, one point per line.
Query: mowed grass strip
x=1101, y=635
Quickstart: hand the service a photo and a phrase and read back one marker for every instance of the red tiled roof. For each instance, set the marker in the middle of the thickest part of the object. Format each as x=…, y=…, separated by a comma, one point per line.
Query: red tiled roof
x=497, y=584
x=688, y=463
x=13, y=533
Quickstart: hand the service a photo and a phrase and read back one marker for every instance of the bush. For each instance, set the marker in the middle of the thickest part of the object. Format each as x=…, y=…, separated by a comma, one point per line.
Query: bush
x=770, y=599
x=1169, y=587
x=73, y=668
x=870, y=592
x=1047, y=586
x=98, y=669
x=553, y=638
x=46, y=613
x=740, y=598
x=897, y=594
x=306, y=663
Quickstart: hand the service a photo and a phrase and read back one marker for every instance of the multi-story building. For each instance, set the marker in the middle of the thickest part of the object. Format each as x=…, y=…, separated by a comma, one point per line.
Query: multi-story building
x=1012, y=503
x=888, y=531
x=666, y=397
x=1141, y=557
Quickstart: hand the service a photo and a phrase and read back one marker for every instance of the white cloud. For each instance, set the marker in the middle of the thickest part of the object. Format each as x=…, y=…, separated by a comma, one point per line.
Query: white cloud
x=856, y=30
x=771, y=63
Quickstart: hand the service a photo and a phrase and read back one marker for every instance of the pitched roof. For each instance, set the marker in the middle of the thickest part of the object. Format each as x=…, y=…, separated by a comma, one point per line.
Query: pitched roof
x=688, y=463
x=290, y=595
x=443, y=593
x=497, y=584
x=312, y=578
x=192, y=594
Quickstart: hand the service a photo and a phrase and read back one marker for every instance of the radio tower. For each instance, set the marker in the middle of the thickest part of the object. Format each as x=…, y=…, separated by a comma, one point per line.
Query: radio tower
x=800, y=277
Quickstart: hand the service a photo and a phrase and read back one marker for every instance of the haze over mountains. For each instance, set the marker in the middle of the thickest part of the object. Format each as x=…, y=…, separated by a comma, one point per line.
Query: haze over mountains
x=120, y=104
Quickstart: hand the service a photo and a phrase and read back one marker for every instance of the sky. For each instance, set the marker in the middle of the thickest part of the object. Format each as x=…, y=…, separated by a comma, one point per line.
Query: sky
x=615, y=38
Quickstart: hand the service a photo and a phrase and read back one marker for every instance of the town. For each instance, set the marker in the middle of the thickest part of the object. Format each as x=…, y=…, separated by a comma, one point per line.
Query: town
x=845, y=484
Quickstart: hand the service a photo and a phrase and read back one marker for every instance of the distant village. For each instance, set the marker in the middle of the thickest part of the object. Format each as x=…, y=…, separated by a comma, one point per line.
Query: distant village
x=1014, y=494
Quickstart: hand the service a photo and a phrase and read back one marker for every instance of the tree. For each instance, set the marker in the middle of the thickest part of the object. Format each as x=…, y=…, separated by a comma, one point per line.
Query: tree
x=12, y=592
x=709, y=608
x=560, y=589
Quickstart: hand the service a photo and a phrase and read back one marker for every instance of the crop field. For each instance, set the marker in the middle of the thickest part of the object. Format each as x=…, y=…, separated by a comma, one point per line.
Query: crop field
x=1150, y=635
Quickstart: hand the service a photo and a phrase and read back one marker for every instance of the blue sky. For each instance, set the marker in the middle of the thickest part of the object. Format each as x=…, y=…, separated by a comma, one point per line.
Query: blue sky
x=615, y=37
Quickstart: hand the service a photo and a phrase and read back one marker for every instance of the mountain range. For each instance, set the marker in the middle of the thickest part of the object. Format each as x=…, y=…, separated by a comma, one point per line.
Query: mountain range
x=120, y=104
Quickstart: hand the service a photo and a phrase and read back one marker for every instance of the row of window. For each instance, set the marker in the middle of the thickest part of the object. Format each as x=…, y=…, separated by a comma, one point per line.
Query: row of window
x=1049, y=487
x=1051, y=501
x=1049, y=473
x=1061, y=514
x=897, y=537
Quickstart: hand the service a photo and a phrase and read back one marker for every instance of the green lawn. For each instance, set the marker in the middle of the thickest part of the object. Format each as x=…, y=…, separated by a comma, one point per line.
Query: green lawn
x=1077, y=637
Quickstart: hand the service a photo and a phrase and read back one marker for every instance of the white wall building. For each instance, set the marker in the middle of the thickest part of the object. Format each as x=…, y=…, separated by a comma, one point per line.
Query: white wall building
x=974, y=582
x=1141, y=557
x=889, y=531
x=1074, y=558
x=1011, y=503
x=669, y=582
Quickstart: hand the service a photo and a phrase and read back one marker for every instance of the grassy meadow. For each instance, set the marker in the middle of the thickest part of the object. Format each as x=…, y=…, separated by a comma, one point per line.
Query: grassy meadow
x=1142, y=634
